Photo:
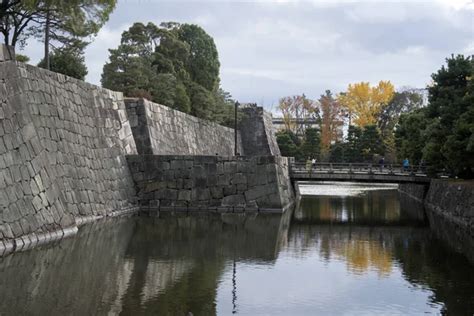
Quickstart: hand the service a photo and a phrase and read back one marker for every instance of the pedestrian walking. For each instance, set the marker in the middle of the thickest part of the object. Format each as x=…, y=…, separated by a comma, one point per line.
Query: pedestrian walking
x=406, y=164
x=382, y=163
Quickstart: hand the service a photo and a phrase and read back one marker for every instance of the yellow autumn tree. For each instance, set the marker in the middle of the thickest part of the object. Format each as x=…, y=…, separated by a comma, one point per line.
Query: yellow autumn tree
x=365, y=103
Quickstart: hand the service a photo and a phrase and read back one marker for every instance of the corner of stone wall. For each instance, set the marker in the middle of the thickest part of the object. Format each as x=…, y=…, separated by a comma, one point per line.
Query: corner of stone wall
x=257, y=133
x=415, y=191
x=137, y=116
x=454, y=200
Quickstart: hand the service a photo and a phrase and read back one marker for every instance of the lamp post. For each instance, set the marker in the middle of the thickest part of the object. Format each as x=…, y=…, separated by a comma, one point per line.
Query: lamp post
x=235, y=128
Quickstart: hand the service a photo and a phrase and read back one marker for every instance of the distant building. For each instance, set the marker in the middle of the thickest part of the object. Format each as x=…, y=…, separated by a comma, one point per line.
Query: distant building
x=300, y=125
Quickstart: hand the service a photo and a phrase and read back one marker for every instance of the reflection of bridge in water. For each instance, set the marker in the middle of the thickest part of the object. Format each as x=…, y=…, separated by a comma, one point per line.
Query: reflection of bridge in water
x=359, y=172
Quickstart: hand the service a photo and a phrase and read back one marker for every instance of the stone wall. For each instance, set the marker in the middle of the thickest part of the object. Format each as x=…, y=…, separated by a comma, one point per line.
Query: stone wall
x=192, y=183
x=63, y=148
x=161, y=130
x=258, y=137
x=62, y=153
x=454, y=200
x=414, y=190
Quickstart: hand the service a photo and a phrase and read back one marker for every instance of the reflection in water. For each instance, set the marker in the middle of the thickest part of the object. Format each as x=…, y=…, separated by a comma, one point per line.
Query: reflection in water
x=371, y=253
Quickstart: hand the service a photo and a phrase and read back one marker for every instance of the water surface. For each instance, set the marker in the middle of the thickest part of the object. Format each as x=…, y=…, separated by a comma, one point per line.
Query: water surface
x=347, y=249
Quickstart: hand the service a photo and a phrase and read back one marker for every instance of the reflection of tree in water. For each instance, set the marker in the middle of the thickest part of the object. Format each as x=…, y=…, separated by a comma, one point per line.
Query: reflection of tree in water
x=430, y=262
x=359, y=247
x=424, y=260
x=364, y=255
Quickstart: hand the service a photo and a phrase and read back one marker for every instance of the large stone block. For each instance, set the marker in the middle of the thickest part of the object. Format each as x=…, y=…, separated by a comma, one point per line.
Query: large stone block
x=234, y=200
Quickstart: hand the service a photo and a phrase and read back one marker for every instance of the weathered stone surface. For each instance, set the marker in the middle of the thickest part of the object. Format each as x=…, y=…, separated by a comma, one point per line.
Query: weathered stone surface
x=258, y=137
x=63, y=144
x=247, y=182
x=62, y=148
x=160, y=130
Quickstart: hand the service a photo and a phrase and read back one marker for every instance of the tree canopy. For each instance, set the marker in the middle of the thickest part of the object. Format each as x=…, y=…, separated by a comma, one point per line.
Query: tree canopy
x=69, y=21
x=69, y=63
x=365, y=103
x=442, y=134
x=173, y=64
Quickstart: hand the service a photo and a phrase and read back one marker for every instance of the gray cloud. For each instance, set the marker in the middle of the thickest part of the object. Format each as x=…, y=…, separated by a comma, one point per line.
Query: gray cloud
x=269, y=49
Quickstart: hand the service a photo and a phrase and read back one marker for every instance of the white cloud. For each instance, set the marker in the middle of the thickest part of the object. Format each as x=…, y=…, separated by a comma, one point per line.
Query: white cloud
x=269, y=49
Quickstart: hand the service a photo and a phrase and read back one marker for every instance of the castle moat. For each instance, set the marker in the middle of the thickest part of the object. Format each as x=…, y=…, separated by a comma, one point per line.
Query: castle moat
x=346, y=249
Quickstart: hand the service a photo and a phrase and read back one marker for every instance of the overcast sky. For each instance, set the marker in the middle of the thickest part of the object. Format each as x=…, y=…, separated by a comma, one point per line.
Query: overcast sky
x=269, y=49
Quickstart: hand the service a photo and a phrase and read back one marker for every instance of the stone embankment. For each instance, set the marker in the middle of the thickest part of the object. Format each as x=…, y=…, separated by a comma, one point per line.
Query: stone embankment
x=452, y=200
x=63, y=157
x=224, y=184
x=62, y=154
x=160, y=130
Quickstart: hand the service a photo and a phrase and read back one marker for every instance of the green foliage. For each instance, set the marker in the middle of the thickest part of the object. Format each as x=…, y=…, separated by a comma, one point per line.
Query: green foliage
x=409, y=138
x=402, y=102
x=202, y=101
x=371, y=143
x=338, y=152
x=22, y=58
x=362, y=145
x=442, y=134
x=176, y=64
x=68, y=63
x=353, y=148
x=203, y=63
x=288, y=147
x=164, y=89
x=311, y=144
x=181, y=98
x=70, y=21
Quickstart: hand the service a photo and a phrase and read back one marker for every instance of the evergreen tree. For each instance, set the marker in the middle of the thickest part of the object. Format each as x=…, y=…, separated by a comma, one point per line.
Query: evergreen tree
x=176, y=64
x=310, y=148
x=287, y=145
x=68, y=63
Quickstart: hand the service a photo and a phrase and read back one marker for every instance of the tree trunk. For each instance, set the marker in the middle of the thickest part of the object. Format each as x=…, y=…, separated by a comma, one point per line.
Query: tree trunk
x=46, y=41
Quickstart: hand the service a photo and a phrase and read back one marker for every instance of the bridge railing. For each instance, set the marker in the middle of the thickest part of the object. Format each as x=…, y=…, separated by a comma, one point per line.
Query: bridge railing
x=357, y=168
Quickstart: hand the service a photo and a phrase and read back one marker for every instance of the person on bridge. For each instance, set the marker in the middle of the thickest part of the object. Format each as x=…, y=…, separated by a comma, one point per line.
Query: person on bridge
x=406, y=164
x=313, y=162
x=382, y=163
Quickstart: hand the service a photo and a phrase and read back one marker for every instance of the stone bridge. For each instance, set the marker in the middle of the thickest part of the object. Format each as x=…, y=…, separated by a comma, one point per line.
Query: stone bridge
x=358, y=172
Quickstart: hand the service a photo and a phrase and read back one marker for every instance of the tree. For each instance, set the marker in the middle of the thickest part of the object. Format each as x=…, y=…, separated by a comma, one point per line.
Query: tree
x=203, y=63
x=64, y=23
x=22, y=58
x=442, y=134
x=68, y=63
x=450, y=131
x=338, y=152
x=371, y=143
x=365, y=103
x=354, y=150
x=404, y=101
x=409, y=136
x=175, y=64
x=297, y=111
x=131, y=66
x=288, y=146
x=311, y=143
x=332, y=119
